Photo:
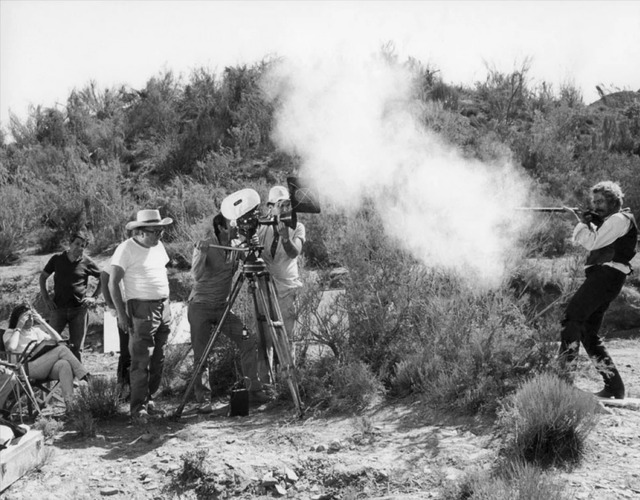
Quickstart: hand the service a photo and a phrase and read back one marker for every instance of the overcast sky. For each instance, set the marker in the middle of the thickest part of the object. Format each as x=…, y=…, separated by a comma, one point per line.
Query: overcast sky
x=49, y=47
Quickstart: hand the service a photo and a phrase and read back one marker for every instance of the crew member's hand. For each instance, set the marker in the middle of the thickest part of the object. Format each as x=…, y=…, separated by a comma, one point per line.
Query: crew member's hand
x=123, y=322
x=283, y=230
x=255, y=241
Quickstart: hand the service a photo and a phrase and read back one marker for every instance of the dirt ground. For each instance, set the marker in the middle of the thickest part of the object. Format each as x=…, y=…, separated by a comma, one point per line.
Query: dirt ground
x=399, y=450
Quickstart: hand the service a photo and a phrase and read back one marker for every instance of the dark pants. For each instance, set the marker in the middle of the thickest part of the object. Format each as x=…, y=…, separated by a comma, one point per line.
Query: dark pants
x=78, y=320
x=124, y=362
x=151, y=327
x=583, y=318
x=203, y=320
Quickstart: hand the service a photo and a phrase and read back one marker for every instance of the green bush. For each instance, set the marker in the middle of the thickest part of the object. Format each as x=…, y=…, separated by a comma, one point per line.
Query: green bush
x=547, y=422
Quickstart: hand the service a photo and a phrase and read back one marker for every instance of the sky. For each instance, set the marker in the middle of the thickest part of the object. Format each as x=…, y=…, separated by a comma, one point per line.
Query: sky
x=48, y=48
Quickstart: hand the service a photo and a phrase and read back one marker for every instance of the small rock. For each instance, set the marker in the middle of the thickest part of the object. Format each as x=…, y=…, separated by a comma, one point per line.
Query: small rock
x=320, y=447
x=334, y=447
x=290, y=475
x=108, y=492
x=147, y=438
x=280, y=490
x=268, y=480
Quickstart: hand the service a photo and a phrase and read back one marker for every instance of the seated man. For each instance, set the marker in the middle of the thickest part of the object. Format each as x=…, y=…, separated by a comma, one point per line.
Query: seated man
x=48, y=360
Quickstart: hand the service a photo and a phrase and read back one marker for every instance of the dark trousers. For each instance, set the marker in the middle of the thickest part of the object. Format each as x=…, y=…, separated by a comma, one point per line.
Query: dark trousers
x=583, y=318
x=78, y=320
x=124, y=361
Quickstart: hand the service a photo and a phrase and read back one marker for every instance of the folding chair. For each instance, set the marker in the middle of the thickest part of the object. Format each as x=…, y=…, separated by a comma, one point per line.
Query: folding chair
x=34, y=394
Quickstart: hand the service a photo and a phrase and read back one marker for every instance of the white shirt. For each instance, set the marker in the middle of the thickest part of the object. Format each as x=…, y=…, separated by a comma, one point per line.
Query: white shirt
x=283, y=269
x=145, y=272
x=588, y=236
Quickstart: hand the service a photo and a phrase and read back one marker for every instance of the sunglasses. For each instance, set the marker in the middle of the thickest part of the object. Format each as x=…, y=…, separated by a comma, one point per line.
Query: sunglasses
x=153, y=231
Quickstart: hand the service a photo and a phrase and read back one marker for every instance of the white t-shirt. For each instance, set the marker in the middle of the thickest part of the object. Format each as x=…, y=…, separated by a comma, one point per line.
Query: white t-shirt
x=145, y=272
x=283, y=269
x=25, y=338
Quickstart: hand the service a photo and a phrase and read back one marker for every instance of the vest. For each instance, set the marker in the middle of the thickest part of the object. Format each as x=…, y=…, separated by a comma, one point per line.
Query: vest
x=621, y=250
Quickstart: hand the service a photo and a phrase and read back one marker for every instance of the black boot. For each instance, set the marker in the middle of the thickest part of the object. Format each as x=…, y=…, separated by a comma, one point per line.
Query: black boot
x=613, y=385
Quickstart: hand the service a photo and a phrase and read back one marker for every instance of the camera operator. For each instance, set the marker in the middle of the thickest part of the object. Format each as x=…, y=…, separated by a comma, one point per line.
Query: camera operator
x=213, y=270
x=282, y=244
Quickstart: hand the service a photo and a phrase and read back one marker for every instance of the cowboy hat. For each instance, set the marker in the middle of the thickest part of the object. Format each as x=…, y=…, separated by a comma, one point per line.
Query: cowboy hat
x=148, y=218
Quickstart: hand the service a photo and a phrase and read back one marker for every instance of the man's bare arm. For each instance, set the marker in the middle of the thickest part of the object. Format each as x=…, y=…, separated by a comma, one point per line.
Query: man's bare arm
x=116, y=276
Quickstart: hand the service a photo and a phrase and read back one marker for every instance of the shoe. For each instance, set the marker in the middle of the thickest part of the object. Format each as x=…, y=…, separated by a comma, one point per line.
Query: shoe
x=140, y=418
x=608, y=393
x=205, y=408
x=154, y=411
x=259, y=398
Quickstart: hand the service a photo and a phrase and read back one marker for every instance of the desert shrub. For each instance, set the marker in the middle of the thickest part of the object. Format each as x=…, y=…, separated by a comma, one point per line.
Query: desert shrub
x=99, y=398
x=548, y=236
x=521, y=481
x=8, y=247
x=175, y=371
x=547, y=422
x=477, y=351
x=335, y=386
x=48, y=426
x=196, y=475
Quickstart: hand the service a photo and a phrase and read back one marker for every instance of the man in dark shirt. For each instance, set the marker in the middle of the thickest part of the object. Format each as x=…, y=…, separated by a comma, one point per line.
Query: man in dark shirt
x=71, y=270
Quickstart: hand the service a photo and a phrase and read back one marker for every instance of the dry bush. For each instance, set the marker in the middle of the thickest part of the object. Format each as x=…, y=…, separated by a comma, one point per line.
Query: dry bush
x=176, y=370
x=334, y=386
x=547, y=422
x=48, y=426
x=477, y=350
x=98, y=400
x=521, y=481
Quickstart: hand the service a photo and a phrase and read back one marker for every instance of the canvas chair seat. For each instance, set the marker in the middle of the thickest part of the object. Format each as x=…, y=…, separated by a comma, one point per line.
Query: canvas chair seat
x=25, y=391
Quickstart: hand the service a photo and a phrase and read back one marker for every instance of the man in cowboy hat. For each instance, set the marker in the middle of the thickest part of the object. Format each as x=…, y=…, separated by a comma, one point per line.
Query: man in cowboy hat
x=71, y=271
x=282, y=244
x=140, y=264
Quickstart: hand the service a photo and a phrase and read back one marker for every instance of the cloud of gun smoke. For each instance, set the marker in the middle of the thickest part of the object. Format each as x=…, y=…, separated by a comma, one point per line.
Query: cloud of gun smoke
x=357, y=129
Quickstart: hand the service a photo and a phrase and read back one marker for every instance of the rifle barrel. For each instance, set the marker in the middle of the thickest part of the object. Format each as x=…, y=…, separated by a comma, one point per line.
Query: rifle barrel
x=544, y=209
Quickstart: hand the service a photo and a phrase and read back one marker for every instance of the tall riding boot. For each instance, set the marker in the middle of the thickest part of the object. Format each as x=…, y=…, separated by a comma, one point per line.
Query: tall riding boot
x=613, y=385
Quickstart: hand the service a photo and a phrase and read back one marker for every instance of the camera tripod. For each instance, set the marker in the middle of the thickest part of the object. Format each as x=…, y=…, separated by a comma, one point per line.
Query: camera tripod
x=269, y=323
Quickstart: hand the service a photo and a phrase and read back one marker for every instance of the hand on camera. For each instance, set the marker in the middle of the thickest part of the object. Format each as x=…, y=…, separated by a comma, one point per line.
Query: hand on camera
x=283, y=230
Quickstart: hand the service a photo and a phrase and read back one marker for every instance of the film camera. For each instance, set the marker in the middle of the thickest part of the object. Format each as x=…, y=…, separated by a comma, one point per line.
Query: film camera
x=243, y=207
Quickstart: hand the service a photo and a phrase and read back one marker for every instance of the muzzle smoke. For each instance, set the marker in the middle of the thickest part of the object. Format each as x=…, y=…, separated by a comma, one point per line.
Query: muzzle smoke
x=359, y=131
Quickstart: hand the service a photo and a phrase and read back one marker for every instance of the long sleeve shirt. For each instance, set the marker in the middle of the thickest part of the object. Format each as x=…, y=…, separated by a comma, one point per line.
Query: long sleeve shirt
x=591, y=238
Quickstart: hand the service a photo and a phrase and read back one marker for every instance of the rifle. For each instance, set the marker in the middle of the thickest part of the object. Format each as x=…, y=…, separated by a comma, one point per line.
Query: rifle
x=588, y=215
x=547, y=209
